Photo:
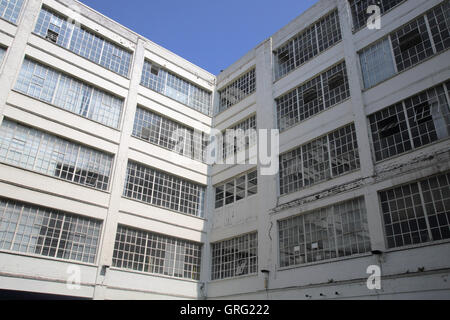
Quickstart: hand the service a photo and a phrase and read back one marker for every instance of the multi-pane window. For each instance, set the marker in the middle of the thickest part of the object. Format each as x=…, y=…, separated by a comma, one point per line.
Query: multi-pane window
x=377, y=63
x=237, y=189
x=46, y=84
x=157, y=254
x=83, y=42
x=41, y=152
x=162, y=81
x=417, y=212
x=239, y=137
x=164, y=190
x=360, y=14
x=47, y=232
x=411, y=44
x=169, y=134
x=309, y=43
x=322, y=159
x=238, y=90
x=404, y=48
x=412, y=123
x=439, y=22
x=333, y=232
x=10, y=9
x=322, y=92
x=235, y=257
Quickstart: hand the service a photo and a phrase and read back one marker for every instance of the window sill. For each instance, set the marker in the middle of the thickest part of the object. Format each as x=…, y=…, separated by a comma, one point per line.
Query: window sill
x=247, y=276
x=314, y=116
x=306, y=62
x=56, y=178
x=216, y=114
x=335, y=260
x=227, y=206
x=164, y=208
x=365, y=90
x=157, y=145
x=384, y=161
x=54, y=259
x=318, y=184
x=149, y=274
x=70, y=112
x=418, y=246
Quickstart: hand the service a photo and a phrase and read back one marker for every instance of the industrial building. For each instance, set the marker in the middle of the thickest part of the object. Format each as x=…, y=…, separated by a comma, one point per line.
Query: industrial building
x=98, y=200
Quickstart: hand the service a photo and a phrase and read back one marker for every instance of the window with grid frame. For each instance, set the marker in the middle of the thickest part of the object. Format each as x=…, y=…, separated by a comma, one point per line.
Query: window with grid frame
x=235, y=257
x=37, y=230
x=418, y=212
x=238, y=138
x=83, y=42
x=329, y=233
x=412, y=123
x=412, y=43
x=324, y=91
x=238, y=188
x=153, y=253
x=164, y=190
x=322, y=159
x=63, y=91
x=149, y=127
x=169, y=84
x=315, y=39
x=238, y=90
x=439, y=22
x=41, y=152
x=10, y=10
x=359, y=10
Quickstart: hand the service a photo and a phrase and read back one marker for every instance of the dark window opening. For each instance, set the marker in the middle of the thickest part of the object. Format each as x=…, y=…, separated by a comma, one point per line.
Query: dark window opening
x=389, y=127
x=309, y=95
x=335, y=81
x=145, y=133
x=52, y=36
x=154, y=70
x=410, y=40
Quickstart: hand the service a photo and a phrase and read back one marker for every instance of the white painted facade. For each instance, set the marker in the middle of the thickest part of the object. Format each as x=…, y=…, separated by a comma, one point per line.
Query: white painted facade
x=419, y=271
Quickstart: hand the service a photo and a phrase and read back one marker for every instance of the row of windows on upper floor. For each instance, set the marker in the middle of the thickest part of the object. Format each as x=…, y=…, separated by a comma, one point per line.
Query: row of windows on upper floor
x=412, y=123
x=409, y=45
x=45, y=153
x=90, y=45
x=414, y=213
x=322, y=92
x=377, y=64
x=323, y=34
x=68, y=93
x=407, y=125
x=327, y=157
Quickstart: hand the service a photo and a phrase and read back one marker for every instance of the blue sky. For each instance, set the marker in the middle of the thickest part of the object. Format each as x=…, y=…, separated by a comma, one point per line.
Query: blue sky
x=209, y=33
